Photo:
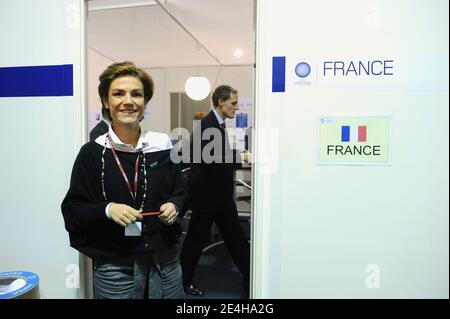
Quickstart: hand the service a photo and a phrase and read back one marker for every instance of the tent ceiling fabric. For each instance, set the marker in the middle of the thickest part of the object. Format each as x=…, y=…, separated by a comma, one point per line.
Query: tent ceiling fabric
x=150, y=38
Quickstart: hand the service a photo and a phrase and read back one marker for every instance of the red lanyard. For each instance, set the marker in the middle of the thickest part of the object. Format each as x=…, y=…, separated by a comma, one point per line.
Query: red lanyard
x=133, y=195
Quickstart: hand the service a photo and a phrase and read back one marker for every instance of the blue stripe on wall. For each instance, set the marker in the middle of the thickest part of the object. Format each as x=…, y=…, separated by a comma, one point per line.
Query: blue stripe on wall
x=46, y=80
x=278, y=74
x=345, y=134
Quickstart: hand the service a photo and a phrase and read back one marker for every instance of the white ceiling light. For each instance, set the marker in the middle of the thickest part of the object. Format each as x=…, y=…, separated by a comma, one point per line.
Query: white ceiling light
x=238, y=53
x=197, y=87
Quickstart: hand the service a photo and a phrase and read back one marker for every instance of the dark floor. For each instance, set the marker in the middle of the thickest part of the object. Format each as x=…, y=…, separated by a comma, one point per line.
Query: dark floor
x=216, y=273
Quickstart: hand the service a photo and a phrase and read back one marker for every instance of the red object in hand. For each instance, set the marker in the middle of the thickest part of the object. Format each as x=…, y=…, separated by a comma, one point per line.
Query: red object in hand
x=150, y=214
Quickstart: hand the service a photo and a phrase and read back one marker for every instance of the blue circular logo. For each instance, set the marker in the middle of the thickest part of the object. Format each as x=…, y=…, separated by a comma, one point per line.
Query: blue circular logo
x=302, y=69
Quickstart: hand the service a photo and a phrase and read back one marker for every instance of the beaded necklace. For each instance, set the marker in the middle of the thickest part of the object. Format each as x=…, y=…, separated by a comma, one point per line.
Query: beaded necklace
x=103, y=174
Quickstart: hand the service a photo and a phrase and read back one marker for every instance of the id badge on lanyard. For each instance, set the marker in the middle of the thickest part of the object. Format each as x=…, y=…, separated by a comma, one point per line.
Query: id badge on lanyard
x=134, y=229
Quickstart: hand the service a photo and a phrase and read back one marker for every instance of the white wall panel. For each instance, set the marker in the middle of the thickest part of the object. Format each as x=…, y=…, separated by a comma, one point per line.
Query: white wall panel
x=41, y=136
x=318, y=228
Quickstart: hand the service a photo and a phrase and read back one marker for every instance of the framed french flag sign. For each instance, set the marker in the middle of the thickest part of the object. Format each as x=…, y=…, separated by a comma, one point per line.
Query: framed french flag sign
x=354, y=140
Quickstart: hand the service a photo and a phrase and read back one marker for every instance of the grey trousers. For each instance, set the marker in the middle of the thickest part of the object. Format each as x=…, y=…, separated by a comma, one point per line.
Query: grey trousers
x=148, y=275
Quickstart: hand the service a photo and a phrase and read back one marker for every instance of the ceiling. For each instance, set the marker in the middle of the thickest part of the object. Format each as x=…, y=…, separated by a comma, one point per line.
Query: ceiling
x=147, y=35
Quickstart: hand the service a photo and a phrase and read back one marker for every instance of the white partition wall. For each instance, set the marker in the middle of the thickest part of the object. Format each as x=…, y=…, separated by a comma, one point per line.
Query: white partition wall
x=351, y=231
x=42, y=121
x=96, y=64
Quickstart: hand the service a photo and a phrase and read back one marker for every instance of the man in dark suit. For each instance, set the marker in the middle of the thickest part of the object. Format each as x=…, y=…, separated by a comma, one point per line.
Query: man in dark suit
x=211, y=190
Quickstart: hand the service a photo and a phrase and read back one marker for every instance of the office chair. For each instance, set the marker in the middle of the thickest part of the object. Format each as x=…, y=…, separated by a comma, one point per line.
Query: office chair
x=243, y=200
x=246, y=198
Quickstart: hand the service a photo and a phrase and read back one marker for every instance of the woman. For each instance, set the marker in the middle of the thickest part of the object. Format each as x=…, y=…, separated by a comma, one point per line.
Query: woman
x=121, y=207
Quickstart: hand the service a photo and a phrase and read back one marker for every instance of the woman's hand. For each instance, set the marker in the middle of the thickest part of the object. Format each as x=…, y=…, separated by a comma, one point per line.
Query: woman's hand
x=123, y=214
x=168, y=213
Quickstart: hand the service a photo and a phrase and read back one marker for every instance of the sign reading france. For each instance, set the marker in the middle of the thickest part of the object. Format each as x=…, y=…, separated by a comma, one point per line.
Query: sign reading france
x=354, y=140
x=349, y=72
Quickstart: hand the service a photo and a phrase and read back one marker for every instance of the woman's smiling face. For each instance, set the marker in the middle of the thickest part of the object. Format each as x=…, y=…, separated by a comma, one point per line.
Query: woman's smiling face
x=126, y=101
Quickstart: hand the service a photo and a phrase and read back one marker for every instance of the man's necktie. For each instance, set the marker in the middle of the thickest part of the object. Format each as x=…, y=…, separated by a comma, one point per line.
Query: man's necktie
x=223, y=125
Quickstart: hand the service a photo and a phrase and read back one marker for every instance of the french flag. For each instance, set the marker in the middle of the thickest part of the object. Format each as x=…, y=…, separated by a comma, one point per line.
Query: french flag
x=353, y=133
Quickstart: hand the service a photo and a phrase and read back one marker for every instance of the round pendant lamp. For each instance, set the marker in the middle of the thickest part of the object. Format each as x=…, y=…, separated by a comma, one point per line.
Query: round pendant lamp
x=197, y=87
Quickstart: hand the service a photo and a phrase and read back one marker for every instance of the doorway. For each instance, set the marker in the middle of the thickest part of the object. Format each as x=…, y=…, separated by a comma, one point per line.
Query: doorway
x=173, y=40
